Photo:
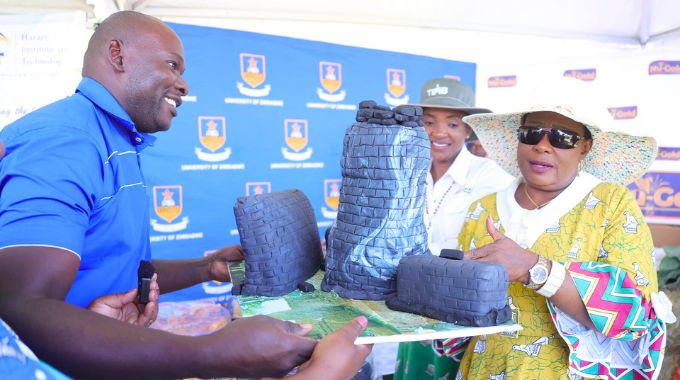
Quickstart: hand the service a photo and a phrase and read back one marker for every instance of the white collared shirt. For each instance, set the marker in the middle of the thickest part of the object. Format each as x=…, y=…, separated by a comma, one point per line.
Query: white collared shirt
x=467, y=179
x=525, y=226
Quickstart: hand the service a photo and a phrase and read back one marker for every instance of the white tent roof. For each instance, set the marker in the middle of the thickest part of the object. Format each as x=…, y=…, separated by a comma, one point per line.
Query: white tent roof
x=452, y=29
x=623, y=21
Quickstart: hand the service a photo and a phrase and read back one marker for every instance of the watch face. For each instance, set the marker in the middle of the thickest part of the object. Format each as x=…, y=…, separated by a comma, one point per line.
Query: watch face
x=539, y=274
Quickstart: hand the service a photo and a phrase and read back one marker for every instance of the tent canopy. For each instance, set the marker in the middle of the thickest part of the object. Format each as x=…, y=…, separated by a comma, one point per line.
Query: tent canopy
x=628, y=22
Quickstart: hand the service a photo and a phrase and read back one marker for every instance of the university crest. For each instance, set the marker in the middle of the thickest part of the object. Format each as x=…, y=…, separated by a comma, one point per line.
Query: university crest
x=256, y=188
x=253, y=73
x=296, y=137
x=331, y=190
x=167, y=203
x=396, y=87
x=212, y=134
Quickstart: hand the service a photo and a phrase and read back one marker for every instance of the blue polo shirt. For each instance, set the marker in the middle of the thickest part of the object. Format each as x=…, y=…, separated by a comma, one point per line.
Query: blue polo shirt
x=71, y=178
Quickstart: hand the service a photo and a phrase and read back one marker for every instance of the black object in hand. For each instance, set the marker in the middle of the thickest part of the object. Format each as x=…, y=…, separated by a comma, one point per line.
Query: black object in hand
x=452, y=254
x=144, y=274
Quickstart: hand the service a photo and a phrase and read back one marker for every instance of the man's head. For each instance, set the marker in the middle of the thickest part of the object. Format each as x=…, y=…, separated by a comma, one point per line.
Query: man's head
x=140, y=60
x=474, y=145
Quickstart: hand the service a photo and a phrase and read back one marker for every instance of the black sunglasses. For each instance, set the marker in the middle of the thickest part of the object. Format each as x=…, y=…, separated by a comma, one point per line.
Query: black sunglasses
x=558, y=138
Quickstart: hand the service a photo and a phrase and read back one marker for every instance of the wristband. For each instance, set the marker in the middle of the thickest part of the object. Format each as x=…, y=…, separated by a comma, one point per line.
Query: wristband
x=555, y=280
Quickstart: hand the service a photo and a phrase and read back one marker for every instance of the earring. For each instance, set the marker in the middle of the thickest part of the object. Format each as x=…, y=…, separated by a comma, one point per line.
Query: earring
x=580, y=167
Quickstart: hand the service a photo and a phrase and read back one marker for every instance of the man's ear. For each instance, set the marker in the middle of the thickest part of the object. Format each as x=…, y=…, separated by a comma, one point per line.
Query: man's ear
x=116, y=54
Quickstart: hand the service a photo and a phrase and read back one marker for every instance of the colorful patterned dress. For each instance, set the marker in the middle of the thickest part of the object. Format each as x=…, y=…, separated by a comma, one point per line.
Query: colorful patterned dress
x=603, y=241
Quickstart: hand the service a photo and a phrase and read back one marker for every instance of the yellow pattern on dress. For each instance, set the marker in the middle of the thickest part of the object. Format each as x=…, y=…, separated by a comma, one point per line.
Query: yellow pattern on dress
x=599, y=228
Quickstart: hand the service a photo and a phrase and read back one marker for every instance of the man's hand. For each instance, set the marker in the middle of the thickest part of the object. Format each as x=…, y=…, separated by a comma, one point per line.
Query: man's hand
x=336, y=356
x=516, y=260
x=218, y=267
x=179, y=274
x=2, y=149
x=125, y=307
x=259, y=346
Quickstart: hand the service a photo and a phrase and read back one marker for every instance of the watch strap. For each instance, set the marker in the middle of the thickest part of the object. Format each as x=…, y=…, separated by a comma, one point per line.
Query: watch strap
x=555, y=280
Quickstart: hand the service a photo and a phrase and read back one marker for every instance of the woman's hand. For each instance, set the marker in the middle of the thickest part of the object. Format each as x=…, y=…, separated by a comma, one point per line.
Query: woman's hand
x=336, y=357
x=126, y=308
x=516, y=260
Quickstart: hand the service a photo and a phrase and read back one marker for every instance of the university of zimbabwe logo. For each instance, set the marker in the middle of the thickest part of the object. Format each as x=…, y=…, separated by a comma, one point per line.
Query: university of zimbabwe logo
x=254, y=73
x=330, y=76
x=396, y=87
x=212, y=133
x=331, y=194
x=296, y=137
x=215, y=287
x=257, y=188
x=167, y=203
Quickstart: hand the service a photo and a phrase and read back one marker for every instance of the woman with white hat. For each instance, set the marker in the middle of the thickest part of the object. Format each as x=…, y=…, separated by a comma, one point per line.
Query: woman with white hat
x=456, y=179
x=576, y=248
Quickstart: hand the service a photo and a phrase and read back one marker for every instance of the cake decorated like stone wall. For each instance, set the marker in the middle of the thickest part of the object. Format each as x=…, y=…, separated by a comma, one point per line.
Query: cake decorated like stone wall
x=385, y=160
x=280, y=241
x=463, y=292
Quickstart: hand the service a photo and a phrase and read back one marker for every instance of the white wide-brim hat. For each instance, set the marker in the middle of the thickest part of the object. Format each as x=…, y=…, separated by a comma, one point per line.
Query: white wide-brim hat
x=614, y=156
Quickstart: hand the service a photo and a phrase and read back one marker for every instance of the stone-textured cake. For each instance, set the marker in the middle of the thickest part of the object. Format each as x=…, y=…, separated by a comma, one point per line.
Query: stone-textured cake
x=464, y=292
x=280, y=241
x=385, y=160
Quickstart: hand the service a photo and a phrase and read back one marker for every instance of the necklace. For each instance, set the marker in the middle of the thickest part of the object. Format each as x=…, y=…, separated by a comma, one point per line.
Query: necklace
x=532, y=200
x=437, y=205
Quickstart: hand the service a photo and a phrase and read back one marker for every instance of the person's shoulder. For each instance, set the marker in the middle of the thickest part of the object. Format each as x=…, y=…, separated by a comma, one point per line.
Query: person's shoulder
x=611, y=190
x=487, y=169
x=612, y=194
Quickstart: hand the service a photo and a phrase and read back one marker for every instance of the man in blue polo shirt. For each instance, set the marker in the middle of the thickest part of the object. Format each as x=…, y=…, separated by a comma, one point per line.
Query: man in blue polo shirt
x=74, y=225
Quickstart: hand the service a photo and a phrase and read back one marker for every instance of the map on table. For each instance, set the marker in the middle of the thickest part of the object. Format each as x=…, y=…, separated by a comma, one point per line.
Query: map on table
x=327, y=312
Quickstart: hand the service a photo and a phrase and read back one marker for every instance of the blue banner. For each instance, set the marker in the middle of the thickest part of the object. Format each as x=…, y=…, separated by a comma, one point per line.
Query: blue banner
x=658, y=194
x=264, y=114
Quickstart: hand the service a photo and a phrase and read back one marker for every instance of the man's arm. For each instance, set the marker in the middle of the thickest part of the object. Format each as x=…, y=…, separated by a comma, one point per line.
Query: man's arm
x=34, y=282
x=179, y=274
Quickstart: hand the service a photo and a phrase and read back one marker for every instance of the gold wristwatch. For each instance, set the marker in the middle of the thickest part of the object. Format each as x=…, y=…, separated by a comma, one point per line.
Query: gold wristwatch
x=538, y=274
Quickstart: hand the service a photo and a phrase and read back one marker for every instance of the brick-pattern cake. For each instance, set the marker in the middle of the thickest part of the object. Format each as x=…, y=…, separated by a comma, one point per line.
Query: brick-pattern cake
x=464, y=292
x=280, y=241
x=385, y=160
